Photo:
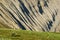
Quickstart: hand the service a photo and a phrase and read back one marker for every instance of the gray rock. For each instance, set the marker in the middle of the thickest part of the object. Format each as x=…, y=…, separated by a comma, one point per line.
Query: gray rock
x=35, y=15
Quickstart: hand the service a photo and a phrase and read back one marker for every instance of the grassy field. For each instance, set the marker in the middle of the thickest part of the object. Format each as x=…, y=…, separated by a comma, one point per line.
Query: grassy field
x=10, y=34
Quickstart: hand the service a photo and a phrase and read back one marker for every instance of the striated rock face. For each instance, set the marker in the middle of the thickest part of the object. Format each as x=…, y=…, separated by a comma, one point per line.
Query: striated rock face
x=35, y=15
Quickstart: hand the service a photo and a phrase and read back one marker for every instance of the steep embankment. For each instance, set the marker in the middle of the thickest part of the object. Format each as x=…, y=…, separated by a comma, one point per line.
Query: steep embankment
x=35, y=15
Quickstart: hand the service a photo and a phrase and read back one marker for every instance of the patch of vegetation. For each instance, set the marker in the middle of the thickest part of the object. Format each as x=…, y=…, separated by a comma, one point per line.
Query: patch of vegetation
x=10, y=34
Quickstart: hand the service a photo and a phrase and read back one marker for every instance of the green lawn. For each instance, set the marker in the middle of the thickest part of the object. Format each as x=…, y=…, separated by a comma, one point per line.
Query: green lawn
x=10, y=34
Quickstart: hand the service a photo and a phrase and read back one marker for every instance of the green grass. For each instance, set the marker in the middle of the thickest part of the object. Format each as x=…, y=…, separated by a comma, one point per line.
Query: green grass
x=10, y=34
